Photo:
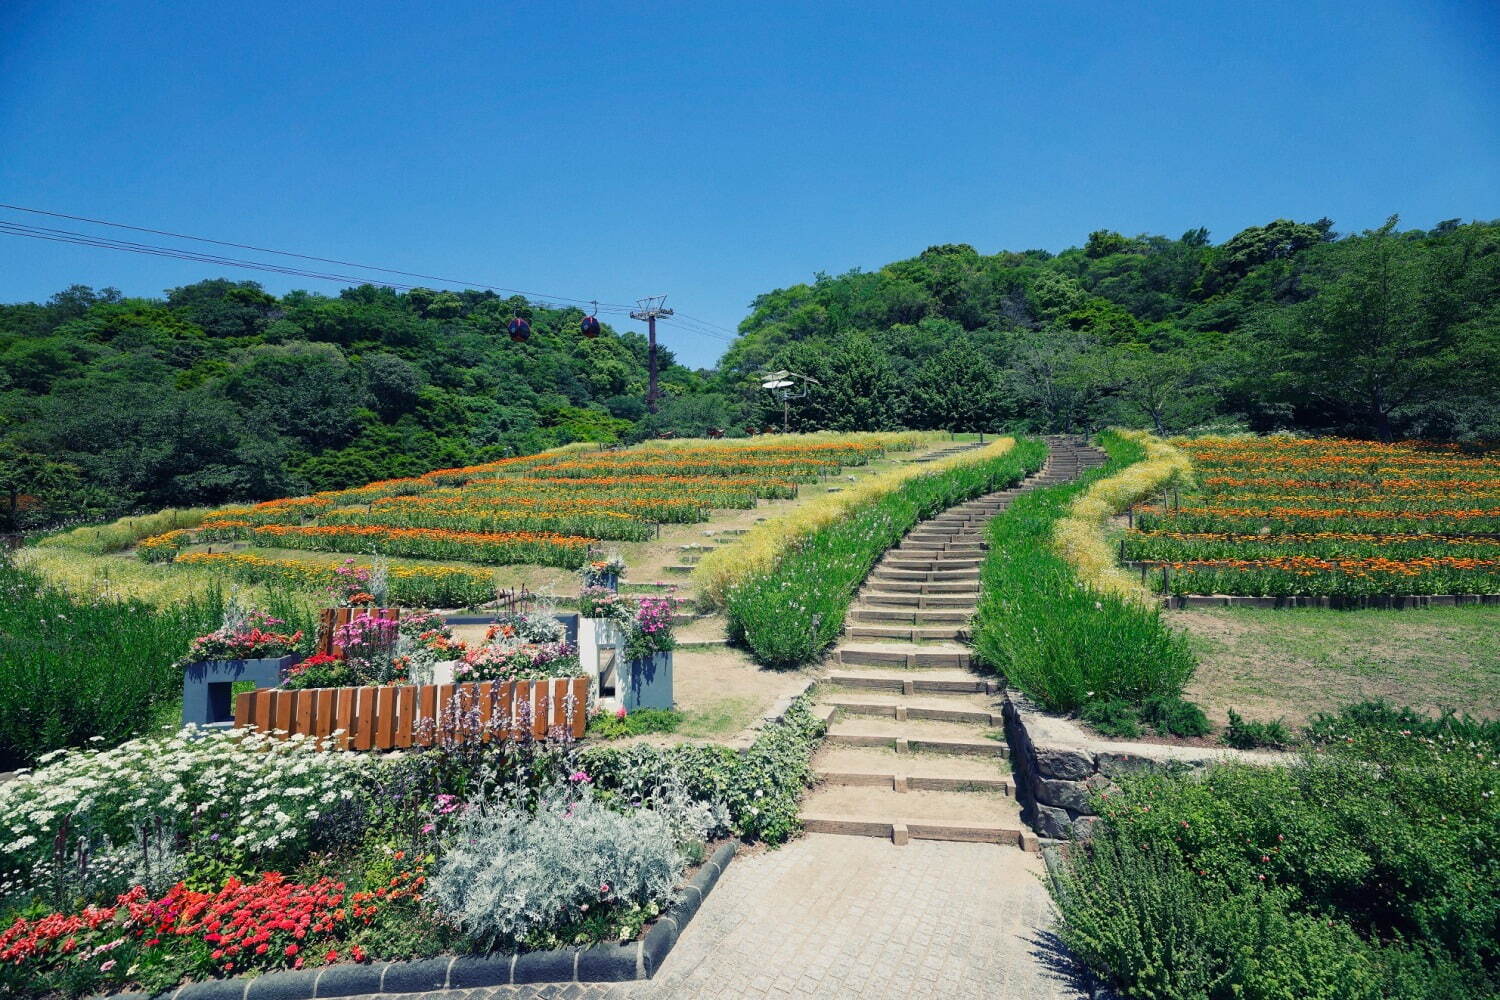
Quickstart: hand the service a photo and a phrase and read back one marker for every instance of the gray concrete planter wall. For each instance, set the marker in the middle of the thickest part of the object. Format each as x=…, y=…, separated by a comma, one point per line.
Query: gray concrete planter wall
x=602, y=963
x=207, y=686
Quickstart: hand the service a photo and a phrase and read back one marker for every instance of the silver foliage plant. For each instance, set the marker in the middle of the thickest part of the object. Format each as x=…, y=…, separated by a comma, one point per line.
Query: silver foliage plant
x=511, y=875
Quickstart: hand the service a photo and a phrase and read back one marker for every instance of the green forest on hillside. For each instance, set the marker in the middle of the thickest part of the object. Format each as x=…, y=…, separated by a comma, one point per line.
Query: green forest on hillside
x=220, y=391
x=1380, y=334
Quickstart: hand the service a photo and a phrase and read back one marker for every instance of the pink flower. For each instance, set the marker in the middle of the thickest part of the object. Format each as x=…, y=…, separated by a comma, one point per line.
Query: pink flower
x=429, y=828
x=620, y=712
x=578, y=777
x=107, y=966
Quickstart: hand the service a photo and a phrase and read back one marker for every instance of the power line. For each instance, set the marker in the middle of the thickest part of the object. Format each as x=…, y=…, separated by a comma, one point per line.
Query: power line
x=688, y=324
x=83, y=239
x=613, y=306
x=712, y=326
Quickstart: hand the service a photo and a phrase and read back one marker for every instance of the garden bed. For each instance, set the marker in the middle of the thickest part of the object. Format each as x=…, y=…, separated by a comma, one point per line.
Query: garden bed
x=600, y=963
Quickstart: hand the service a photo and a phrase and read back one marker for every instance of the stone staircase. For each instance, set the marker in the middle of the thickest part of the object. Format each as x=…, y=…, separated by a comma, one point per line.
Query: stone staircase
x=915, y=747
x=948, y=452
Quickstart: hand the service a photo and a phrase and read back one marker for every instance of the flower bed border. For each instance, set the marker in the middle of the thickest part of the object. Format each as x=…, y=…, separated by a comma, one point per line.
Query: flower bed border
x=1341, y=602
x=600, y=963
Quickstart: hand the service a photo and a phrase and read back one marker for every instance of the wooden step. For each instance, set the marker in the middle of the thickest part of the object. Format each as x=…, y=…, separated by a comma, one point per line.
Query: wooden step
x=916, y=681
x=874, y=630
x=905, y=711
x=892, y=655
x=923, y=616
x=896, y=599
x=974, y=817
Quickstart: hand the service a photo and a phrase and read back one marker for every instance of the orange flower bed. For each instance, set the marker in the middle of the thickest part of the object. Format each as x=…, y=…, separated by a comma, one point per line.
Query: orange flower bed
x=1343, y=518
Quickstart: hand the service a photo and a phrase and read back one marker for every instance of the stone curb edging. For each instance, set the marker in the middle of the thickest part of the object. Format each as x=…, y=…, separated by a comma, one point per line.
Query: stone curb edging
x=601, y=963
x=1336, y=601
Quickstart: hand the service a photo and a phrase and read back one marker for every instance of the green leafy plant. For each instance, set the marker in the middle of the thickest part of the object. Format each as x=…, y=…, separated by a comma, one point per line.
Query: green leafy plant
x=1245, y=734
x=617, y=725
x=1362, y=870
x=758, y=788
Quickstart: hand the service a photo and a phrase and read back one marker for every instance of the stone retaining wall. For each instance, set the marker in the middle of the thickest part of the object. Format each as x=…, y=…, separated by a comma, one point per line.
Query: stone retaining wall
x=1059, y=765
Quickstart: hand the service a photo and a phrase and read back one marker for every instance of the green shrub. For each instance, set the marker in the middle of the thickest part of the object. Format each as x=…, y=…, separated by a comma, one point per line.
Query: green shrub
x=1113, y=717
x=1174, y=715
x=1148, y=924
x=1391, y=836
x=1061, y=642
x=1382, y=717
x=789, y=614
x=612, y=726
x=759, y=788
x=1244, y=734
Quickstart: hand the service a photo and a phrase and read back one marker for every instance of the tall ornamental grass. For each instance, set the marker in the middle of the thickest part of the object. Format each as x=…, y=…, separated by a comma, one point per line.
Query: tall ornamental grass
x=72, y=670
x=1059, y=639
x=787, y=613
x=117, y=536
x=1080, y=535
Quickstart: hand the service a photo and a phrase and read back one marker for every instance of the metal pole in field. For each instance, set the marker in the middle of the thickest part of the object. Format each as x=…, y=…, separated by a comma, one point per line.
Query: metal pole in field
x=649, y=309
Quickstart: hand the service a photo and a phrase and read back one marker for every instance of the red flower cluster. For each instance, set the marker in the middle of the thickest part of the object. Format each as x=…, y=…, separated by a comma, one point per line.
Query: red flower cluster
x=263, y=924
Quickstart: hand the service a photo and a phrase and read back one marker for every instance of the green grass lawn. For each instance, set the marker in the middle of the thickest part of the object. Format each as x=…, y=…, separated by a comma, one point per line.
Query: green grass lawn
x=1298, y=661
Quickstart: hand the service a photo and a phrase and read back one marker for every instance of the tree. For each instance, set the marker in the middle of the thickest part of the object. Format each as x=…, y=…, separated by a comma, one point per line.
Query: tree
x=1368, y=345
x=958, y=390
x=33, y=488
x=855, y=388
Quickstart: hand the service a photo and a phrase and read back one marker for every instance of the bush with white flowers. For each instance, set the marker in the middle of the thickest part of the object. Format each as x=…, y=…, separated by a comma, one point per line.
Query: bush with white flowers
x=239, y=797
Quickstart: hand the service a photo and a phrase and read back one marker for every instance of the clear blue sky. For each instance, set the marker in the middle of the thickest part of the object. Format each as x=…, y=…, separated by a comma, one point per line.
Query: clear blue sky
x=614, y=151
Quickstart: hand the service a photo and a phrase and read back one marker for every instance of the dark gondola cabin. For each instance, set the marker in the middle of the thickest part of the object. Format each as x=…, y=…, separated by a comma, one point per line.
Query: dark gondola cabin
x=589, y=327
x=520, y=330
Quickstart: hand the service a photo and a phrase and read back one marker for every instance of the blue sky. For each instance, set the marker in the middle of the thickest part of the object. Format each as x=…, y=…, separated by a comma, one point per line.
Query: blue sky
x=712, y=153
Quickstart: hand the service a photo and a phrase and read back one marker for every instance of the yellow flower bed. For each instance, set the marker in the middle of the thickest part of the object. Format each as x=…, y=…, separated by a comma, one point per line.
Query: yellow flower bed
x=758, y=550
x=1080, y=534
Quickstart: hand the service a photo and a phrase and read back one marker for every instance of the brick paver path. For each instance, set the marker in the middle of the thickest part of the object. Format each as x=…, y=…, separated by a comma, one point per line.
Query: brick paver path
x=834, y=917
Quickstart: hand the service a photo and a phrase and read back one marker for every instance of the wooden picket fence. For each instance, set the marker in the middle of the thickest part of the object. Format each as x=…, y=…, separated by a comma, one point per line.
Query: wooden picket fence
x=392, y=718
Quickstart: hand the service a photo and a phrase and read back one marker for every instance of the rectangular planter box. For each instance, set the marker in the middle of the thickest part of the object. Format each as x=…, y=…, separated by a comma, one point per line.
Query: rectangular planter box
x=647, y=682
x=207, y=686
x=387, y=718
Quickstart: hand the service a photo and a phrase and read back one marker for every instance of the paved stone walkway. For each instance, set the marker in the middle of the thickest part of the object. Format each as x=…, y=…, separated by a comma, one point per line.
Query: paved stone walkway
x=834, y=917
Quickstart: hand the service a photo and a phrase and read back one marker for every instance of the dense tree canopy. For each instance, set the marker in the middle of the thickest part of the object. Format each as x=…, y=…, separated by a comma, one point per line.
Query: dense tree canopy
x=1384, y=333
x=221, y=391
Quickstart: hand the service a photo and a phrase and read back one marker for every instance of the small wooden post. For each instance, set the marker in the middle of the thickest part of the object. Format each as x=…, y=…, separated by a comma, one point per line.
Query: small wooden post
x=1166, y=579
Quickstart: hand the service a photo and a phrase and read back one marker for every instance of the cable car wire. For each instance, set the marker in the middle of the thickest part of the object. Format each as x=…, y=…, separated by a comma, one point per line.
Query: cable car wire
x=303, y=256
x=688, y=324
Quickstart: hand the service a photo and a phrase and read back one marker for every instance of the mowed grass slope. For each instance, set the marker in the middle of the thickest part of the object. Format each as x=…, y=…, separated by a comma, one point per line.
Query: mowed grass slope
x=1296, y=662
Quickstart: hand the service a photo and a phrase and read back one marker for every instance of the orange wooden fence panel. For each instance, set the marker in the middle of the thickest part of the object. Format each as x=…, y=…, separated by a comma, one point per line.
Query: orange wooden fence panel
x=386, y=718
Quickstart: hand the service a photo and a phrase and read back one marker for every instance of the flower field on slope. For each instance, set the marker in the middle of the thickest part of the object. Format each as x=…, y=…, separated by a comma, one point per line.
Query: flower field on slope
x=545, y=510
x=1284, y=516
